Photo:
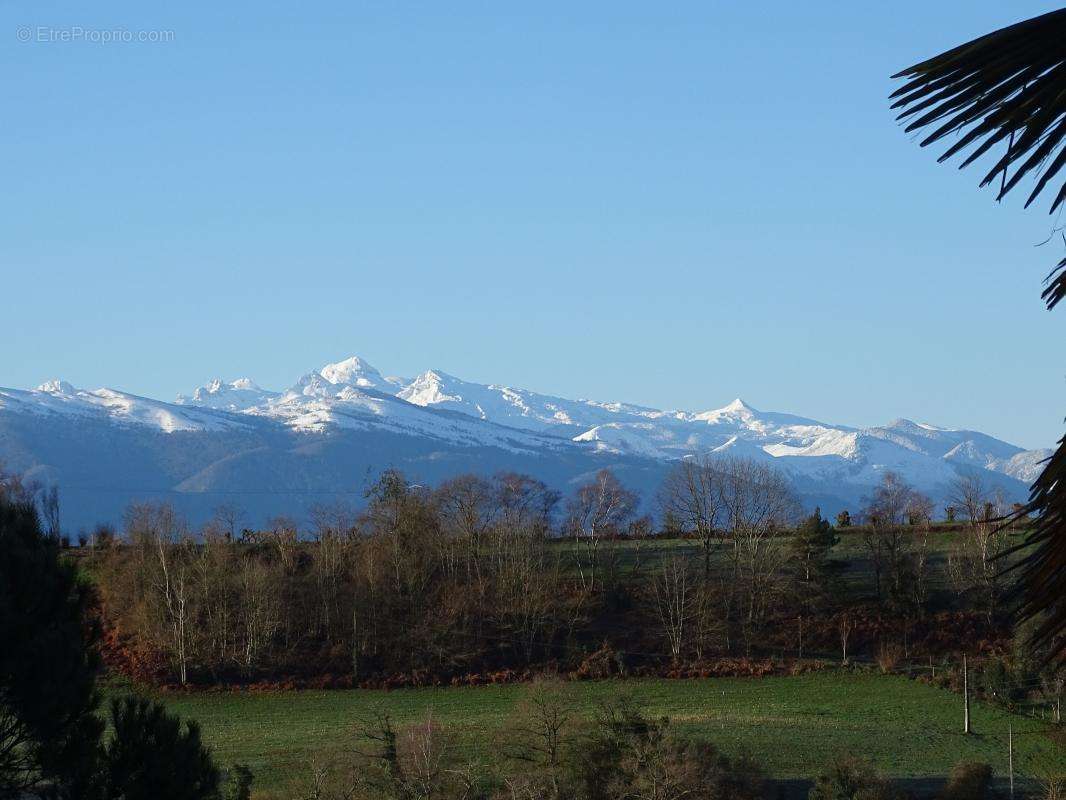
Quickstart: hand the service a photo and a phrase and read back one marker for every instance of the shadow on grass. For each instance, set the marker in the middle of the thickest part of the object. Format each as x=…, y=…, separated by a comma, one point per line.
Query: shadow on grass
x=921, y=788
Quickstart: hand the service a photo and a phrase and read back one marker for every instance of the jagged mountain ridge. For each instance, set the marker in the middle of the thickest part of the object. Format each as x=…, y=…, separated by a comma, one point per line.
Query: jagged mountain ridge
x=617, y=427
x=353, y=402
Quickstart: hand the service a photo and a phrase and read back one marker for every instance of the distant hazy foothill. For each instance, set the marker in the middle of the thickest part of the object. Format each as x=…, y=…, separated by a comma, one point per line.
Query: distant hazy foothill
x=273, y=452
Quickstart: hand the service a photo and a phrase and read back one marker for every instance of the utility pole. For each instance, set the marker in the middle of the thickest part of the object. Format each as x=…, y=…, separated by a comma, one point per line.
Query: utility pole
x=1010, y=756
x=965, y=696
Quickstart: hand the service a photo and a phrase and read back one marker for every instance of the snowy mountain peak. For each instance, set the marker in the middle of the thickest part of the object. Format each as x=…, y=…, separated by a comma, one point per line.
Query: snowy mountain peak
x=56, y=386
x=434, y=377
x=739, y=405
x=216, y=387
x=903, y=424
x=737, y=410
x=353, y=371
x=311, y=385
x=431, y=388
x=237, y=395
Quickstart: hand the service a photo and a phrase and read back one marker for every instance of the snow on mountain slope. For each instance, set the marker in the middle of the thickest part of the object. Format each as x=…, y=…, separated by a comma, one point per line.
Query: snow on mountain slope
x=666, y=435
x=794, y=434
x=612, y=427
x=740, y=413
x=519, y=408
x=635, y=438
x=843, y=444
x=353, y=395
x=940, y=441
x=353, y=371
x=967, y=450
x=861, y=459
x=59, y=397
x=925, y=453
x=443, y=391
x=1025, y=466
x=366, y=409
x=236, y=395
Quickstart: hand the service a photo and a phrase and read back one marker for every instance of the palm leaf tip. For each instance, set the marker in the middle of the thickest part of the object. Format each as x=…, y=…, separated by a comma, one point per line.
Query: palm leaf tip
x=1056, y=286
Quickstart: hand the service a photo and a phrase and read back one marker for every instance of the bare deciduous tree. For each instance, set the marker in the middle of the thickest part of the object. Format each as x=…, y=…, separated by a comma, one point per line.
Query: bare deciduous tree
x=162, y=536
x=215, y=565
x=894, y=513
x=969, y=492
x=15, y=487
x=50, y=511
x=674, y=596
x=974, y=564
x=758, y=503
x=229, y=519
x=598, y=510
x=259, y=610
x=692, y=495
x=334, y=527
x=844, y=627
x=541, y=730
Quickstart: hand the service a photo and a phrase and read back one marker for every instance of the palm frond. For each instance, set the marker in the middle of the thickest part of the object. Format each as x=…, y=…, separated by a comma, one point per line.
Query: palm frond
x=1042, y=590
x=1008, y=89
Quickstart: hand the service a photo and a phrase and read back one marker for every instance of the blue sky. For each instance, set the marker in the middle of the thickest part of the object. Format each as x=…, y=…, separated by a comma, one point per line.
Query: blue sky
x=670, y=204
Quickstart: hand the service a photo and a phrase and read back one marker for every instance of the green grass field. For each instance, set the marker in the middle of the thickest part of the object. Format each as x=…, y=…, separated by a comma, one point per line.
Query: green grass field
x=793, y=725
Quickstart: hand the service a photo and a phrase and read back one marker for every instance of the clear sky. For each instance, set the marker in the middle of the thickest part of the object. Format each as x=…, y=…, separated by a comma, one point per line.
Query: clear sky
x=666, y=203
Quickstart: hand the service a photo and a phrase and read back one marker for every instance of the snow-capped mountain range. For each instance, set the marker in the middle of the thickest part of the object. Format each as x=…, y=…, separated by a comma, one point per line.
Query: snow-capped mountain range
x=435, y=420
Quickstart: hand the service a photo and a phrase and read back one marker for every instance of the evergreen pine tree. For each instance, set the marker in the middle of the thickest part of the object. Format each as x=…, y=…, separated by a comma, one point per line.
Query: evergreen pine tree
x=814, y=570
x=50, y=733
x=152, y=756
x=810, y=545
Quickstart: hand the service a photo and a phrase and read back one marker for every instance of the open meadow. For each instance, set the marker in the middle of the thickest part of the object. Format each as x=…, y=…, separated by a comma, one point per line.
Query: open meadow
x=792, y=725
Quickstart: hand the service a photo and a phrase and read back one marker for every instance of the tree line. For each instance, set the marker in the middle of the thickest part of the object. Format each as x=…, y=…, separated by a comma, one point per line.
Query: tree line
x=481, y=575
